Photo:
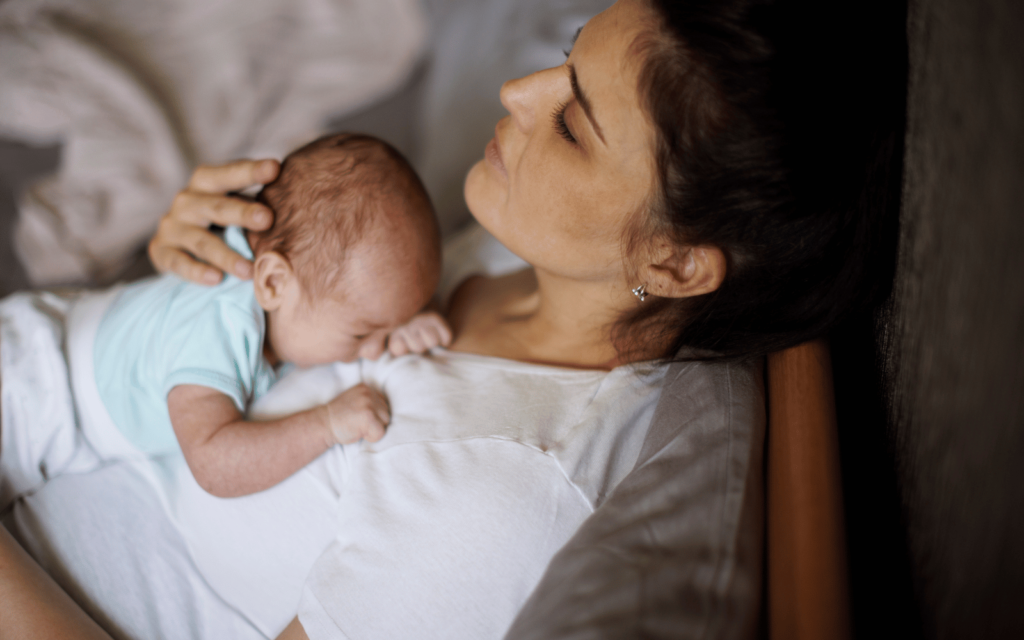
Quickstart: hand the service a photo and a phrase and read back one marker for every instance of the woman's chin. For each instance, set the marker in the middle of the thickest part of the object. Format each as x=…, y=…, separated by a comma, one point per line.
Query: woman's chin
x=478, y=191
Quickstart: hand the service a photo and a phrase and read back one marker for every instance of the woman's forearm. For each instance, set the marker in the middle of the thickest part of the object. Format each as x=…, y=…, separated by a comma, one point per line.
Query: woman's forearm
x=31, y=603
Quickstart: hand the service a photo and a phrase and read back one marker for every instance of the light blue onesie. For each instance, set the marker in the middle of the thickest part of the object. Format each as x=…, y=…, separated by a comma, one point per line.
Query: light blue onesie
x=163, y=332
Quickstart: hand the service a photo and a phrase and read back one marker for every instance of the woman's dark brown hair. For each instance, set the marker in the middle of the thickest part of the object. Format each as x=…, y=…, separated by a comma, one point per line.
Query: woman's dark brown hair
x=775, y=144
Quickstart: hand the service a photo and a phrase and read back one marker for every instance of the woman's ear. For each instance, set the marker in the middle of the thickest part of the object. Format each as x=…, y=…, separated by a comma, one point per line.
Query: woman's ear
x=273, y=279
x=683, y=273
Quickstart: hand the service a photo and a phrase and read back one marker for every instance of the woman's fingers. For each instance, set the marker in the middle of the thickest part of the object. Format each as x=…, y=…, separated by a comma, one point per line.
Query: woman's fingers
x=182, y=248
x=211, y=249
x=168, y=260
x=183, y=242
x=233, y=176
x=203, y=209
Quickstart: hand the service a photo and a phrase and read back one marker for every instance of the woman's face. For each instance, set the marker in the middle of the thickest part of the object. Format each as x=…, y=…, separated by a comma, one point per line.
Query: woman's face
x=567, y=168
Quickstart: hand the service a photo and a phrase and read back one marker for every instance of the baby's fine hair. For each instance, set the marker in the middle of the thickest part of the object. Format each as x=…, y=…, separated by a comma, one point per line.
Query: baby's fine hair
x=325, y=198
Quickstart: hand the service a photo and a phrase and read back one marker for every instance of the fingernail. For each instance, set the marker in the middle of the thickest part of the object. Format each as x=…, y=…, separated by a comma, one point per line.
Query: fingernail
x=243, y=269
x=211, y=277
x=261, y=218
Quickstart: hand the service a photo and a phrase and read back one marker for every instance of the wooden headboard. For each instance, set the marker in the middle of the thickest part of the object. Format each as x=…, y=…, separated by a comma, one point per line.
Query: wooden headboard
x=807, y=580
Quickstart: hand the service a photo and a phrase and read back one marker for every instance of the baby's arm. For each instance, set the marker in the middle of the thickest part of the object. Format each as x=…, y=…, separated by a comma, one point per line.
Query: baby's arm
x=230, y=456
x=426, y=330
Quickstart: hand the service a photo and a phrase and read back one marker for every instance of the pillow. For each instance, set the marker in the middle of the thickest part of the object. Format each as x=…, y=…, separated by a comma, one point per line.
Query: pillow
x=676, y=549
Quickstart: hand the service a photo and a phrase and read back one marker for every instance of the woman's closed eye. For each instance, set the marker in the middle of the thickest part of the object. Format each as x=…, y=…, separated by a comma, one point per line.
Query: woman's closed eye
x=560, y=126
x=559, y=115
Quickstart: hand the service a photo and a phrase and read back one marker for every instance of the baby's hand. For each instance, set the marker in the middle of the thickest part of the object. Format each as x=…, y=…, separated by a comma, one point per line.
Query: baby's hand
x=425, y=331
x=359, y=412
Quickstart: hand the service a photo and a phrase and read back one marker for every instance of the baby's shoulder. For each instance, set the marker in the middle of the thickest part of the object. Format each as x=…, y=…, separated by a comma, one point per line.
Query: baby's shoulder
x=167, y=306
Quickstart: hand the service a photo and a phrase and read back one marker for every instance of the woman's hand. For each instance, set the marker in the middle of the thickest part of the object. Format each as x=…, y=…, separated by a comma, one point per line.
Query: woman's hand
x=183, y=243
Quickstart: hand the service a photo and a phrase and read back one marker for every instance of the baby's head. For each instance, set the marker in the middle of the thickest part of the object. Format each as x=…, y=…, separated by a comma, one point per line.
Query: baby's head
x=354, y=252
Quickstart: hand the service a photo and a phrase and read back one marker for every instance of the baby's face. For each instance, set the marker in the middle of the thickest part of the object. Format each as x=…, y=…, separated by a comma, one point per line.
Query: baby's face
x=353, y=323
x=327, y=331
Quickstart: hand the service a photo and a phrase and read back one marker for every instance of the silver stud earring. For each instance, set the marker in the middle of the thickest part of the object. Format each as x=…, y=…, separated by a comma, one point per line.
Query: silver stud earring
x=640, y=292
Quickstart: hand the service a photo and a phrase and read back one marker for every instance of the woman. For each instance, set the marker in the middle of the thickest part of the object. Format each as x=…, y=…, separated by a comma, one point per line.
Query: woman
x=644, y=183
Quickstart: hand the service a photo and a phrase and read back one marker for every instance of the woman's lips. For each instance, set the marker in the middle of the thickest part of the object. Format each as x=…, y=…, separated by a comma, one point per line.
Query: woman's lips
x=493, y=155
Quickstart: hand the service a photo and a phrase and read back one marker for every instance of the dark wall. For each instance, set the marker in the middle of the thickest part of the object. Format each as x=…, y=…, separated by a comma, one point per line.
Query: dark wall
x=933, y=445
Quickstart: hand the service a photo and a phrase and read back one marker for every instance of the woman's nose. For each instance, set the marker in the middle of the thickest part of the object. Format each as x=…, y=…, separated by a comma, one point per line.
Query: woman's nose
x=524, y=97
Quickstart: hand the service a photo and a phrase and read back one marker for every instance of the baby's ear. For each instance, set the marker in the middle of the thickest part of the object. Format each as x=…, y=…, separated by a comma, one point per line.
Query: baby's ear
x=273, y=279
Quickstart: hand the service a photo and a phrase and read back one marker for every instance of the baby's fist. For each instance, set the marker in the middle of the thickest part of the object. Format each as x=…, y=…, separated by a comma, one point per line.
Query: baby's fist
x=425, y=331
x=359, y=412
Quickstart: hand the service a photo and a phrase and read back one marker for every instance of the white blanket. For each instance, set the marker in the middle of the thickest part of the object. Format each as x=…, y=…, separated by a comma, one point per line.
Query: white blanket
x=141, y=92
x=36, y=390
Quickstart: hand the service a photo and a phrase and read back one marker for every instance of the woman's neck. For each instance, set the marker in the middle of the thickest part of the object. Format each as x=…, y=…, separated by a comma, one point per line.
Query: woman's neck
x=538, y=317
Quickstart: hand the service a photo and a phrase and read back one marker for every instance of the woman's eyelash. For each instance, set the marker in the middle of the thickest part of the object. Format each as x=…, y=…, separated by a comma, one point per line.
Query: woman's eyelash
x=572, y=42
x=559, y=119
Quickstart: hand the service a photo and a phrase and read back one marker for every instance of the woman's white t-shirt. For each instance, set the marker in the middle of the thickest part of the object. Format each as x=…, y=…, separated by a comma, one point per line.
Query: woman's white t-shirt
x=488, y=468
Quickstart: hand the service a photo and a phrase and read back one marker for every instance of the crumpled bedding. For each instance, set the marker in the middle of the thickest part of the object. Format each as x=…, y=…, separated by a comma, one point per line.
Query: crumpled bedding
x=36, y=391
x=141, y=92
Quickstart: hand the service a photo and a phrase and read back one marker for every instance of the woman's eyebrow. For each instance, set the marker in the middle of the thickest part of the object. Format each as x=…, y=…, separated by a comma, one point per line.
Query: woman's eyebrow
x=584, y=101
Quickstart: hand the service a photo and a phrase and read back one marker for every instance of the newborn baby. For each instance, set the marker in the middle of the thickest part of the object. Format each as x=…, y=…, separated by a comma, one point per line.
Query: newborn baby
x=353, y=255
